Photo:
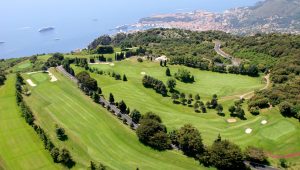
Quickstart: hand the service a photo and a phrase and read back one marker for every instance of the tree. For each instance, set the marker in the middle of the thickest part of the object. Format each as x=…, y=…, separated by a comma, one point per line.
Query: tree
x=197, y=97
x=96, y=97
x=285, y=108
x=174, y=97
x=54, y=154
x=225, y=155
x=190, y=141
x=99, y=91
x=122, y=106
x=184, y=76
x=231, y=109
x=196, y=107
x=219, y=108
x=256, y=155
x=124, y=78
x=168, y=72
x=65, y=158
x=136, y=116
x=111, y=98
x=152, y=116
x=171, y=83
x=93, y=166
x=60, y=133
x=182, y=98
x=153, y=133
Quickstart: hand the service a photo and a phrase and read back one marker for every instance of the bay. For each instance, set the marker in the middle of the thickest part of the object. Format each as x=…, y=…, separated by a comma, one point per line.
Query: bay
x=78, y=22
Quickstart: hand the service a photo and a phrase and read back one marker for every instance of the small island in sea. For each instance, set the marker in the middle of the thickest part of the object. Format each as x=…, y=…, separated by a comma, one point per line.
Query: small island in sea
x=46, y=29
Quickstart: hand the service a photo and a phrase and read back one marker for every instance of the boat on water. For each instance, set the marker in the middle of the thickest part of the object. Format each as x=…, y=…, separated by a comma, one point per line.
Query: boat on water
x=46, y=29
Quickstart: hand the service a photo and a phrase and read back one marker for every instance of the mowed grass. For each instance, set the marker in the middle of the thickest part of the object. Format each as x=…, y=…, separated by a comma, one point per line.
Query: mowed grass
x=209, y=124
x=94, y=134
x=20, y=146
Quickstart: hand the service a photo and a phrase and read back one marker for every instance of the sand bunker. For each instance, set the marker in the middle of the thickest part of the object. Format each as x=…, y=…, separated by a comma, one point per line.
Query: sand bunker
x=112, y=64
x=231, y=120
x=143, y=73
x=263, y=122
x=53, y=78
x=30, y=83
x=248, y=130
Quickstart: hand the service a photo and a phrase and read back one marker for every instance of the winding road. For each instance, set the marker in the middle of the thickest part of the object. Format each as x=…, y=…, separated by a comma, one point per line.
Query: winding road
x=234, y=61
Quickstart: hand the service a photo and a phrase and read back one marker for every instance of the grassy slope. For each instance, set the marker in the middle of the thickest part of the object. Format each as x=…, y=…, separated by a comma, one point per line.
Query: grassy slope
x=94, y=134
x=20, y=147
x=207, y=83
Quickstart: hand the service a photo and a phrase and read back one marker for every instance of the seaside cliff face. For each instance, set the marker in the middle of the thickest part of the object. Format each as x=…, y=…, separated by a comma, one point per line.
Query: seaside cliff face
x=266, y=16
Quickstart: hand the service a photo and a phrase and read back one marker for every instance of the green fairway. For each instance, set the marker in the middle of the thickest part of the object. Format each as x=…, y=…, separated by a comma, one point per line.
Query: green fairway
x=20, y=147
x=209, y=124
x=26, y=64
x=94, y=134
x=281, y=128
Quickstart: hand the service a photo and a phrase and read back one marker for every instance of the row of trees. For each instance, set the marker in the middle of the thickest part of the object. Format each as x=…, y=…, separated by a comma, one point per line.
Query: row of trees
x=222, y=154
x=2, y=77
x=113, y=74
x=157, y=85
x=62, y=156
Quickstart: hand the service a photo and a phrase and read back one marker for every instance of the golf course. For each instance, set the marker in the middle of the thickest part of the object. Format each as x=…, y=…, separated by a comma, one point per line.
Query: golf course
x=159, y=99
x=94, y=134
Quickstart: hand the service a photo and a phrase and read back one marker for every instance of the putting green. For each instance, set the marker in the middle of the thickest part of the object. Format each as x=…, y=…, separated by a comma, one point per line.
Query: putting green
x=40, y=77
x=278, y=130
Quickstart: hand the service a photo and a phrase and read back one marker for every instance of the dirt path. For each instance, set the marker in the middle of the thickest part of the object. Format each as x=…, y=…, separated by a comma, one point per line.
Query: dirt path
x=291, y=155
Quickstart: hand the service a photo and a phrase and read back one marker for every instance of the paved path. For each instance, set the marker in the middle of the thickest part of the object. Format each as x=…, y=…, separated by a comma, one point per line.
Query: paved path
x=257, y=166
x=101, y=100
x=234, y=61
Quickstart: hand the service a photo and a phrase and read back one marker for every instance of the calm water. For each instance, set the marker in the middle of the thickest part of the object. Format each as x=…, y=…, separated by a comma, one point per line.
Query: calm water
x=78, y=22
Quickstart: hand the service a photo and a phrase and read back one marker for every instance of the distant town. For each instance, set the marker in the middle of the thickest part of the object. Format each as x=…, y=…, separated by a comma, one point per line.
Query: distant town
x=236, y=21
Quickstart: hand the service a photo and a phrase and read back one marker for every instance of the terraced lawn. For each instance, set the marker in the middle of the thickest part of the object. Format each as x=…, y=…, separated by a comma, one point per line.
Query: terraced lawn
x=20, y=147
x=94, y=134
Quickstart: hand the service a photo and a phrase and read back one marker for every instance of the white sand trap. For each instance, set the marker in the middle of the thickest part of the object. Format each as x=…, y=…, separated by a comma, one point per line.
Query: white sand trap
x=231, y=120
x=263, y=122
x=30, y=83
x=248, y=130
x=112, y=64
x=53, y=78
x=143, y=73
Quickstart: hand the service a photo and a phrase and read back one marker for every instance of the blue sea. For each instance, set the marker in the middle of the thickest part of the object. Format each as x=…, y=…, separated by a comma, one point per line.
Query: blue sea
x=78, y=22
